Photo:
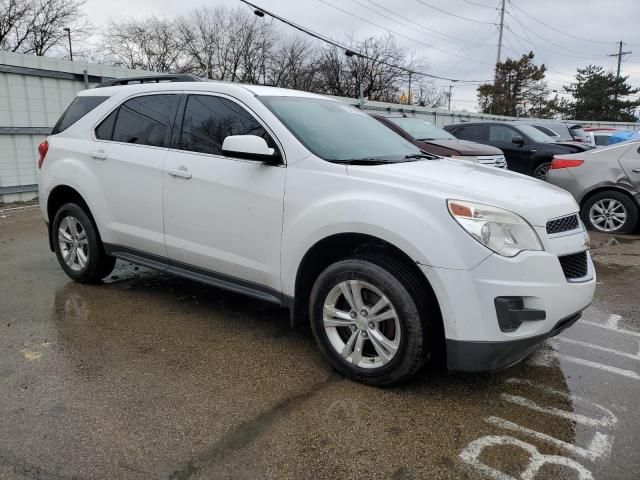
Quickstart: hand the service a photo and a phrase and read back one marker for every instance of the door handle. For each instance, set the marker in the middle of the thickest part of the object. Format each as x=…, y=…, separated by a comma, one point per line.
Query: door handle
x=99, y=154
x=636, y=170
x=181, y=172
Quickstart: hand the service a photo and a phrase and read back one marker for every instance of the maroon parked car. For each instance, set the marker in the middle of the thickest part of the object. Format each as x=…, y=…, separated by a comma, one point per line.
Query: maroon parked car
x=438, y=141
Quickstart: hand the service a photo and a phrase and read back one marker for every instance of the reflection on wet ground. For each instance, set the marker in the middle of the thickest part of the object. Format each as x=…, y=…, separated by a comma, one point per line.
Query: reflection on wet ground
x=149, y=376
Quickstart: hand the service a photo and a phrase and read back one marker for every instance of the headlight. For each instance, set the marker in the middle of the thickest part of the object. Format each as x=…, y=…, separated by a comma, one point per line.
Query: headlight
x=468, y=158
x=500, y=230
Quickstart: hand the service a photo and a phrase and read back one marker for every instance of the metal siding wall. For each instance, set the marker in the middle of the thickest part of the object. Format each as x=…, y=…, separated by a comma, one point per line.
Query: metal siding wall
x=37, y=102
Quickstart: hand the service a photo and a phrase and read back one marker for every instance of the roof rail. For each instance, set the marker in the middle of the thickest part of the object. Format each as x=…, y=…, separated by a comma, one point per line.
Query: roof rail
x=150, y=79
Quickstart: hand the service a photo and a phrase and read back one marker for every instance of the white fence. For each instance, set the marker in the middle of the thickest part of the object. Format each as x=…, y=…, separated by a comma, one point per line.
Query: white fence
x=34, y=91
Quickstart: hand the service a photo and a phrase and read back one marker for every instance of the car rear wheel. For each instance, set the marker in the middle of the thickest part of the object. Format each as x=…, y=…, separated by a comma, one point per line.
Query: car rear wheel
x=367, y=322
x=78, y=247
x=610, y=212
x=540, y=172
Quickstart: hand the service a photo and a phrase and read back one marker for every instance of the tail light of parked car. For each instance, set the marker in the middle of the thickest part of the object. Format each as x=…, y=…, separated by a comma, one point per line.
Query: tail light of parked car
x=43, y=148
x=565, y=163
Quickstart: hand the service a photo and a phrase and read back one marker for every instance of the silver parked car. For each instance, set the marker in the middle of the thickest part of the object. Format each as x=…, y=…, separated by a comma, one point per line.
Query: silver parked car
x=606, y=184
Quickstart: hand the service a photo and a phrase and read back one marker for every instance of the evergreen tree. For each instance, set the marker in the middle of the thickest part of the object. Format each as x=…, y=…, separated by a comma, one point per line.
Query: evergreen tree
x=600, y=95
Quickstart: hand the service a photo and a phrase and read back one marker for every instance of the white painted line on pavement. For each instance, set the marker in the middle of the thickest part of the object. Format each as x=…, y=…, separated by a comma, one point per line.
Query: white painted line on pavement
x=600, y=446
x=613, y=351
x=606, y=326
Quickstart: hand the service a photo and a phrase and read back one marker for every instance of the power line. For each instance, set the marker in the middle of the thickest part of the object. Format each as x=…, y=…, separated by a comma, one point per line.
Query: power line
x=398, y=33
x=348, y=50
x=452, y=14
x=549, y=49
x=564, y=32
x=512, y=15
x=480, y=4
x=446, y=36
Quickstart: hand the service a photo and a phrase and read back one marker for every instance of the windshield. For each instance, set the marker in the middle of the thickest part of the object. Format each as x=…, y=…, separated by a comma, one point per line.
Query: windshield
x=421, y=130
x=337, y=132
x=534, y=134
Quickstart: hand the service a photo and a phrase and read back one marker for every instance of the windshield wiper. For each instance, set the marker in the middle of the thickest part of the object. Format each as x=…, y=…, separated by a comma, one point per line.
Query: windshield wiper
x=416, y=156
x=363, y=161
x=424, y=139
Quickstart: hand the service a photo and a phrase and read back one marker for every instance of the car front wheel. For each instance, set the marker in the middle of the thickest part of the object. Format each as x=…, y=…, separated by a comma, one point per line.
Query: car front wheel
x=366, y=320
x=610, y=212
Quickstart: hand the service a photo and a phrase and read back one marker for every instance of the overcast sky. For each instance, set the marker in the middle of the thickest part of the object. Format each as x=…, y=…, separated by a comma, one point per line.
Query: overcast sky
x=454, y=47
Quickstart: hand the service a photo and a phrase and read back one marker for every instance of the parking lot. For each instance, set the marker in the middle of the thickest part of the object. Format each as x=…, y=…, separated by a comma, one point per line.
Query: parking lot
x=149, y=376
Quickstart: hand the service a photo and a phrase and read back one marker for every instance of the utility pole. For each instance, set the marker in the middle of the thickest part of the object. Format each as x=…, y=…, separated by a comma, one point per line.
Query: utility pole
x=449, y=99
x=409, y=97
x=620, y=54
x=500, y=35
x=67, y=30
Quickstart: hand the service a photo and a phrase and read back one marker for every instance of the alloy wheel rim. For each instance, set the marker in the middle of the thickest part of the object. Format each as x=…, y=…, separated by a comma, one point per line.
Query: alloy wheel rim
x=73, y=242
x=362, y=324
x=541, y=171
x=608, y=215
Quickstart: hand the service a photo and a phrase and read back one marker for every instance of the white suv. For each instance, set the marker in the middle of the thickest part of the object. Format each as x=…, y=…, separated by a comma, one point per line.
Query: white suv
x=392, y=256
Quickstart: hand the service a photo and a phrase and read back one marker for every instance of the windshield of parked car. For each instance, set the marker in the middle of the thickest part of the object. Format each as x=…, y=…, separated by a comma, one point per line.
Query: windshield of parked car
x=534, y=134
x=338, y=132
x=421, y=129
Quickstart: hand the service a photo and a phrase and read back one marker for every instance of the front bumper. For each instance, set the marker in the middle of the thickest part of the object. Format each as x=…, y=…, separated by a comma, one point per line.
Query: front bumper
x=474, y=338
x=464, y=356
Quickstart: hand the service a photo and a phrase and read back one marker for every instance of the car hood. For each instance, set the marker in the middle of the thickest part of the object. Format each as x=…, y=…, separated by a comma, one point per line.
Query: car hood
x=534, y=200
x=464, y=147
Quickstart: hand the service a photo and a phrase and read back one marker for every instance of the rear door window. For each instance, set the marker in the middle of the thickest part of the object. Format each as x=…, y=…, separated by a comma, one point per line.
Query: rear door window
x=143, y=120
x=474, y=133
x=76, y=110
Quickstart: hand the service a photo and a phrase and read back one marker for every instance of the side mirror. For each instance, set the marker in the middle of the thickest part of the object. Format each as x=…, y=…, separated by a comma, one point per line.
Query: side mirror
x=250, y=147
x=517, y=139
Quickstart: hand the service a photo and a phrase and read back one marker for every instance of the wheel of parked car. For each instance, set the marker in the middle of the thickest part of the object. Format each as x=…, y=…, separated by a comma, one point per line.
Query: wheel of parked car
x=78, y=246
x=611, y=212
x=540, y=172
x=366, y=318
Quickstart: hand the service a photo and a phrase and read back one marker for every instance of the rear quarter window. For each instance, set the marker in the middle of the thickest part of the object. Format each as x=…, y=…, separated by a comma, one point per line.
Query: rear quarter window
x=75, y=111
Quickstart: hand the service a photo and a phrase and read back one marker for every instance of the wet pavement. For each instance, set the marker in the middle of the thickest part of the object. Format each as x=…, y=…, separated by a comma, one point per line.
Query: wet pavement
x=149, y=376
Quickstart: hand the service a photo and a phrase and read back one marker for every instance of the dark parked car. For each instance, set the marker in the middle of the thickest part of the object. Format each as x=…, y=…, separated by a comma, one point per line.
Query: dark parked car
x=564, y=134
x=526, y=148
x=432, y=139
x=562, y=131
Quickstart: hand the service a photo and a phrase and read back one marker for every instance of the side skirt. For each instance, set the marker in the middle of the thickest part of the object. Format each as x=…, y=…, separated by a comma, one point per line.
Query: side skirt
x=197, y=274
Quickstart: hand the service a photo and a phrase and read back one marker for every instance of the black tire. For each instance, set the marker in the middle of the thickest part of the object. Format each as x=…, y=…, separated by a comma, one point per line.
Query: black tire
x=540, y=171
x=98, y=265
x=400, y=286
x=630, y=207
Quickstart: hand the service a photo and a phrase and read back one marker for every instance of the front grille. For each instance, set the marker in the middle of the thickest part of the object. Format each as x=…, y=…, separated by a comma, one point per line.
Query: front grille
x=563, y=224
x=493, y=160
x=574, y=265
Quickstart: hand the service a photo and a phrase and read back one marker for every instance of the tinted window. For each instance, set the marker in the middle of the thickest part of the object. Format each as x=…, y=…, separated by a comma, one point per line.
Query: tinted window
x=421, y=130
x=546, y=131
x=208, y=120
x=336, y=131
x=105, y=129
x=601, y=139
x=144, y=120
x=471, y=132
x=74, y=112
x=500, y=133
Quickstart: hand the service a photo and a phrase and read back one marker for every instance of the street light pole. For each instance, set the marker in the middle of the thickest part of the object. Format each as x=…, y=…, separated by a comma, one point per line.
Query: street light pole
x=68, y=30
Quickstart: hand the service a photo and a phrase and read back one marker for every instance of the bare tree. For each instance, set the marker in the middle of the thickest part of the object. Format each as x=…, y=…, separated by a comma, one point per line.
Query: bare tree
x=381, y=70
x=149, y=44
x=36, y=26
x=293, y=63
x=226, y=44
